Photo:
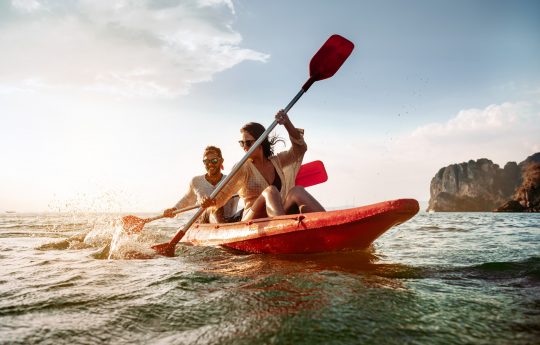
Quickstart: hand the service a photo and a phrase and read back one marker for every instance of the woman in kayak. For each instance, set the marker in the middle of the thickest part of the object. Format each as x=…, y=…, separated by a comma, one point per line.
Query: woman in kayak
x=266, y=182
x=203, y=185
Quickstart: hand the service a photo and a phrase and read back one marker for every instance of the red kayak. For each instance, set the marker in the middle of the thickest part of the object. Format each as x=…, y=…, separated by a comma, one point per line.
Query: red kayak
x=354, y=228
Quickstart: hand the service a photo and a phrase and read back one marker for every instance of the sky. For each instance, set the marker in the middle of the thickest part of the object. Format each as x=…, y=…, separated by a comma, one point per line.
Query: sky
x=107, y=105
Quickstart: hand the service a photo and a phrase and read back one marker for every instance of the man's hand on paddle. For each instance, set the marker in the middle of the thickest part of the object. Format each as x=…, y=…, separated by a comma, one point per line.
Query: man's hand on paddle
x=169, y=212
x=207, y=202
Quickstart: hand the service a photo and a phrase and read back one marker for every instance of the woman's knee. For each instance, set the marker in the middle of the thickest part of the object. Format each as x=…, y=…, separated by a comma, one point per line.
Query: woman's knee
x=270, y=191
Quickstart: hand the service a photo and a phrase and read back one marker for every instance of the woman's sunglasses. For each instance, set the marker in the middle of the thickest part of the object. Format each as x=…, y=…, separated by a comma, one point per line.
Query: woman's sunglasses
x=213, y=161
x=246, y=143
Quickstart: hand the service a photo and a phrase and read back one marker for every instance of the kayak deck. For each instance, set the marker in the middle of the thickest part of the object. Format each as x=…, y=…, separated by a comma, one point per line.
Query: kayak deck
x=348, y=229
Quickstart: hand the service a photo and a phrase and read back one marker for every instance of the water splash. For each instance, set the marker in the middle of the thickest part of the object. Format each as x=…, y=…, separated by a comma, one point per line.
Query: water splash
x=100, y=236
x=124, y=246
x=102, y=200
x=113, y=242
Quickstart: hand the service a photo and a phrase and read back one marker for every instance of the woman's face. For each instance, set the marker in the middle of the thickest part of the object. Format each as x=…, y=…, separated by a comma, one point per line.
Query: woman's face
x=212, y=163
x=246, y=141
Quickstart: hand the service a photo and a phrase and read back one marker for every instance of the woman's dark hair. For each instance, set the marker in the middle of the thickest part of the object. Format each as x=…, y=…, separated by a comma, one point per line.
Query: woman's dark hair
x=256, y=130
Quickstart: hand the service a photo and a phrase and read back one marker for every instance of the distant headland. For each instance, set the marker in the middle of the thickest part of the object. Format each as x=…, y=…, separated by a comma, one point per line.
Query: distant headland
x=482, y=186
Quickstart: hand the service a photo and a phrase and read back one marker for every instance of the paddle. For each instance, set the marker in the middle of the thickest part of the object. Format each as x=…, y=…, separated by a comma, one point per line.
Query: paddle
x=308, y=175
x=323, y=65
x=132, y=224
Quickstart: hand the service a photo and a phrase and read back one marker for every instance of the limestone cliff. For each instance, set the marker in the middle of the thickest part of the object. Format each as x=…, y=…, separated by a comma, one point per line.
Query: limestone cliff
x=479, y=185
x=527, y=196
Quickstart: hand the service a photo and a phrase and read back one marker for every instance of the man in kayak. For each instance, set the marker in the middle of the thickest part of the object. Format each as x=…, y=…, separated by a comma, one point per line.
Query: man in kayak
x=203, y=185
x=266, y=182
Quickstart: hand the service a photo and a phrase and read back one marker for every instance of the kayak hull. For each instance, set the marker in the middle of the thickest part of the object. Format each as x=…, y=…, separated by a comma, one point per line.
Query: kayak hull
x=317, y=232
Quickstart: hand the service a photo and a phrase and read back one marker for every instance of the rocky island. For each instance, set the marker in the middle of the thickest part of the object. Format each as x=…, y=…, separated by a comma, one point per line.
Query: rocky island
x=481, y=185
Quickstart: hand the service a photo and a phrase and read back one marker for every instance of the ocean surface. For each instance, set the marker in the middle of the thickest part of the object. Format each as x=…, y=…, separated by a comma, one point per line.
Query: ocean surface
x=441, y=278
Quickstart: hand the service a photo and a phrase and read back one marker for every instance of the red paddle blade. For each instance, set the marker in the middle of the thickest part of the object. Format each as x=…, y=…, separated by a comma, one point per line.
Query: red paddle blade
x=311, y=174
x=165, y=249
x=132, y=224
x=326, y=62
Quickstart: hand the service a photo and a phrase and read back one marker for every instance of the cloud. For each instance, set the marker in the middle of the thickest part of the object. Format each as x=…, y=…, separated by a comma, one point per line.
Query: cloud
x=128, y=47
x=500, y=132
x=211, y=3
x=375, y=169
x=26, y=5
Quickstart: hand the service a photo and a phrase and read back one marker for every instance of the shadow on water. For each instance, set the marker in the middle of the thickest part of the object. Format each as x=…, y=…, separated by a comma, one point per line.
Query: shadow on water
x=232, y=262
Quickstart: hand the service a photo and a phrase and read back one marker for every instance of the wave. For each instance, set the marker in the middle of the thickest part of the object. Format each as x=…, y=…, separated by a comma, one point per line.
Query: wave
x=31, y=234
x=529, y=268
x=442, y=228
x=518, y=272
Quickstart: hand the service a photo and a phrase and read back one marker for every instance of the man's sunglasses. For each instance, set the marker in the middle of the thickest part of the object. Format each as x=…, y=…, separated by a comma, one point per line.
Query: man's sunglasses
x=246, y=143
x=213, y=161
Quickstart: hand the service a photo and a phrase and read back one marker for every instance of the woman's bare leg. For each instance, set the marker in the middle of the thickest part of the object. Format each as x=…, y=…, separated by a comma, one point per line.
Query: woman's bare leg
x=268, y=204
x=298, y=196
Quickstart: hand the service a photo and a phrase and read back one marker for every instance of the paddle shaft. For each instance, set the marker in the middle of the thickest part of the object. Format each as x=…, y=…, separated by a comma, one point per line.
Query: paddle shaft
x=235, y=169
x=148, y=220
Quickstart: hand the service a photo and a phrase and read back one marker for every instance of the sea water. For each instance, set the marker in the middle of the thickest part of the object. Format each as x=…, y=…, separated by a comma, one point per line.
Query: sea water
x=441, y=278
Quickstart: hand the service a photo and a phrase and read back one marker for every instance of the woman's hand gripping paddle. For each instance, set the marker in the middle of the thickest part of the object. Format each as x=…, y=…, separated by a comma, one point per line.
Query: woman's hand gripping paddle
x=324, y=64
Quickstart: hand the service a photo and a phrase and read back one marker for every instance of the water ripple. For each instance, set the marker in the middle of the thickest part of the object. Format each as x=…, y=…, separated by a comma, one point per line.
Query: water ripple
x=438, y=279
